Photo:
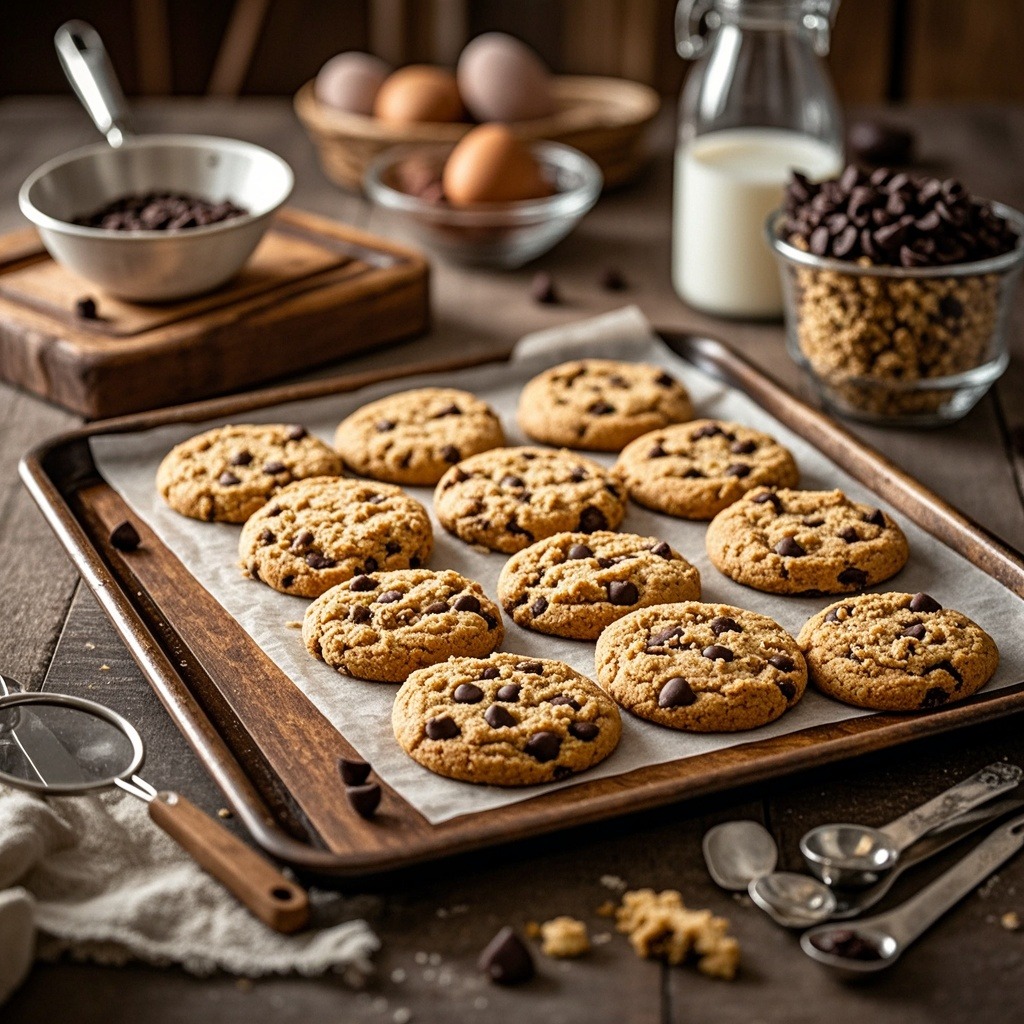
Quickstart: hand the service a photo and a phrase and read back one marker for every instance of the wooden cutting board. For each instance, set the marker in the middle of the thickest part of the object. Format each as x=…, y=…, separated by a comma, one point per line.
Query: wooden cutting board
x=314, y=291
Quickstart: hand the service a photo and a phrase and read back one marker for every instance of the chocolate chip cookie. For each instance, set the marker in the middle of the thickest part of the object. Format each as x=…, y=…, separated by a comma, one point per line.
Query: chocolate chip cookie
x=600, y=404
x=797, y=542
x=413, y=437
x=694, y=470
x=384, y=625
x=575, y=584
x=897, y=652
x=504, y=720
x=701, y=667
x=225, y=474
x=508, y=498
x=315, y=534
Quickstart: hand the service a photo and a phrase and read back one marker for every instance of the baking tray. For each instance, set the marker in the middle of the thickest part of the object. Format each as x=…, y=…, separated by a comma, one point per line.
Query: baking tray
x=275, y=756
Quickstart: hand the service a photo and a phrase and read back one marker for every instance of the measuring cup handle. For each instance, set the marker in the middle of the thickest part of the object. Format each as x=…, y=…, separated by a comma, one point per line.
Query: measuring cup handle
x=978, y=789
x=85, y=62
x=275, y=900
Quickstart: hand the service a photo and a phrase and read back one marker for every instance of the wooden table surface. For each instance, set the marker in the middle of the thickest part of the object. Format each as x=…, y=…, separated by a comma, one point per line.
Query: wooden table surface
x=433, y=921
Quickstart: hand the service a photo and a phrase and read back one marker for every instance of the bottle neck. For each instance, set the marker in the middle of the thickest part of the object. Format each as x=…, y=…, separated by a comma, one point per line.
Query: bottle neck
x=697, y=21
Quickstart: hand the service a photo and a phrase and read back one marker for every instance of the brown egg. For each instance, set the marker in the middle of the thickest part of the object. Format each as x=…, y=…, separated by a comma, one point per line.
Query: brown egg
x=350, y=81
x=419, y=92
x=502, y=79
x=490, y=165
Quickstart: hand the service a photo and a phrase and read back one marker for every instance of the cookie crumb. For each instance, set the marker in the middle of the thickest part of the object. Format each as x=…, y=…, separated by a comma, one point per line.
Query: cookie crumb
x=1010, y=921
x=564, y=937
x=607, y=909
x=104, y=668
x=660, y=927
x=293, y=624
x=531, y=930
x=614, y=882
x=601, y=938
x=225, y=812
x=90, y=646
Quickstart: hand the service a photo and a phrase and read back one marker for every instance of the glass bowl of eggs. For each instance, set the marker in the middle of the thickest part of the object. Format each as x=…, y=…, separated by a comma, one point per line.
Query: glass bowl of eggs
x=490, y=200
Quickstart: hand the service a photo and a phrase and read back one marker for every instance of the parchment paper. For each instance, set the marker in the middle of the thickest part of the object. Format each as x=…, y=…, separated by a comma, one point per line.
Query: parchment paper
x=362, y=710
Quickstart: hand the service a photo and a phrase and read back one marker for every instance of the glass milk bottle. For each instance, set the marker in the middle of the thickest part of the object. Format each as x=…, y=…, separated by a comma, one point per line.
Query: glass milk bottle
x=757, y=105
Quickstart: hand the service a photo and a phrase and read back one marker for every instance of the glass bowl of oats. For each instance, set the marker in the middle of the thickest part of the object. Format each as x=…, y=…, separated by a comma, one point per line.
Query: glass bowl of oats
x=897, y=291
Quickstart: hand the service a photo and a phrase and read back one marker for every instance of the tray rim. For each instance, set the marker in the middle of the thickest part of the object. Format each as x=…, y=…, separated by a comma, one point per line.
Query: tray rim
x=1001, y=561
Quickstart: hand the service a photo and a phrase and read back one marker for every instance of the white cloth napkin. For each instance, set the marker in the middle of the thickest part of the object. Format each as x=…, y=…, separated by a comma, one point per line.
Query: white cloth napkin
x=94, y=877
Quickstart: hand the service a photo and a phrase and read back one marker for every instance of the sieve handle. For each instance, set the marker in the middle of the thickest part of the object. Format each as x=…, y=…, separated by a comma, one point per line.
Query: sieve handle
x=260, y=886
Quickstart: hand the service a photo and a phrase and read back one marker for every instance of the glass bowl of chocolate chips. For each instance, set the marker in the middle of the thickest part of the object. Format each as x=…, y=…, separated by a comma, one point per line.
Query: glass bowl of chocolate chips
x=897, y=292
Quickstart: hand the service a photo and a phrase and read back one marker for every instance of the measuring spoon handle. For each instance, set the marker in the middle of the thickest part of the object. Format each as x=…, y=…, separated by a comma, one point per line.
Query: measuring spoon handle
x=274, y=899
x=992, y=780
x=909, y=920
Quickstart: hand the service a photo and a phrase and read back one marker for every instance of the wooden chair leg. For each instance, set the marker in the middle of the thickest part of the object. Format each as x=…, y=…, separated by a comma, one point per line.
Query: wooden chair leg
x=234, y=58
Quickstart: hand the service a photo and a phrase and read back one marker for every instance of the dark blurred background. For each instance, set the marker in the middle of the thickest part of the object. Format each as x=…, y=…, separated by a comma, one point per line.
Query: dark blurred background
x=897, y=50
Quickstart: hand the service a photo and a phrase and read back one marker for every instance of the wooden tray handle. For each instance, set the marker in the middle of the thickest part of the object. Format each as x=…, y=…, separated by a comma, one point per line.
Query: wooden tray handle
x=275, y=900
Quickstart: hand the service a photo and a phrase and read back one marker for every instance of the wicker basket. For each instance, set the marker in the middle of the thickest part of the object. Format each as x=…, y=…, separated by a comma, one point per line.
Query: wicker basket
x=606, y=118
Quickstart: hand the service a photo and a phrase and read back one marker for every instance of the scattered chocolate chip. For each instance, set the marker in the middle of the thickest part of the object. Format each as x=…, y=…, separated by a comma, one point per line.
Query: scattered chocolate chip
x=543, y=746
x=613, y=281
x=509, y=693
x=787, y=689
x=296, y=432
x=663, y=550
x=877, y=518
x=390, y=597
x=227, y=479
x=450, y=453
x=533, y=668
x=354, y=771
x=512, y=481
x=286, y=581
x=274, y=467
x=657, y=452
x=490, y=673
x=781, y=662
x=242, y=458
x=708, y=430
x=435, y=608
x=578, y=475
x=623, y=593
x=468, y=693
x=716, y=652
x=374, y=499
x=600, y=408
x=676, y=693
x=392, y=547
x=415, y=562
x=316, y=560
x=448, y=410
x=738, y=470
x=605, y=563
x=513, y=527
x=662, y=638
x=372, y=565
x=362, y=583
x=935, y=697
x=266, y=537
x=742, y=447
x=846, y=943
x=539, y=607
x=467, y=603
x=506, y=959
x=814, y=522
x=585, y=731
x=124, y=537
x=788, y=548
x=945, y=666
x=723, y=624
x=768, y=498
x=592, y=519
x=443, y=728
x=849, y=534
x=665, y=380
x=916, y=632
x=383, y=426
x=579, y=551
x=302, y=540
x=564, y=700
x=543, y=290
x=832, y=615
x=364, y=799
x=498, y=717
x=924, y=603
x=85, y=307
x=853, y=577
x=360, y=614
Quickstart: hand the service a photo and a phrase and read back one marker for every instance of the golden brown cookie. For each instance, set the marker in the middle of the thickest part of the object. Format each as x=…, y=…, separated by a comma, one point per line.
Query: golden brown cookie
x=575, y=584
x=798, y=542
x=225, y=474
x=414, y=436
x=701, y=667
x=315, y=534
x=506, y=720
x=600, y=404
x=508, y=498
x=897, y=652
x=694, y=470
x=384, y=625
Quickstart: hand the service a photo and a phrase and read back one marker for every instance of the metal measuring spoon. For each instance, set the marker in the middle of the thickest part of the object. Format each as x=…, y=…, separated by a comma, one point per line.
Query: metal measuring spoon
x=793, y=900
x=736, y=852
x=875, y=943
x=858, y=855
